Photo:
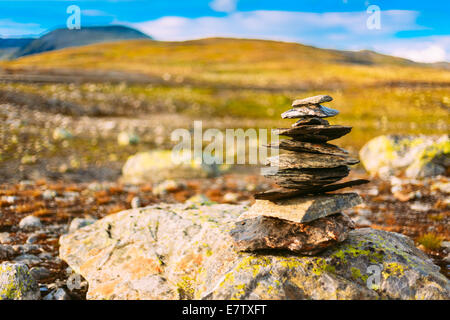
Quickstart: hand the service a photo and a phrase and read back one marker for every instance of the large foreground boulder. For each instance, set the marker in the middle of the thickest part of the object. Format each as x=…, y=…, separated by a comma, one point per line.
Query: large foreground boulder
x=185, y=251
x=157, y=165
x=16, y=283
x=413, y=156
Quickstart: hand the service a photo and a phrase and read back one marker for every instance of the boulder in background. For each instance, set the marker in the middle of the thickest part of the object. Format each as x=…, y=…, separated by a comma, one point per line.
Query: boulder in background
x=413, y=156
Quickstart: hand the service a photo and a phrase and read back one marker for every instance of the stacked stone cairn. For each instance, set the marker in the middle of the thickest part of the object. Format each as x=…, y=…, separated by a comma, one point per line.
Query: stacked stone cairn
x=302, y=215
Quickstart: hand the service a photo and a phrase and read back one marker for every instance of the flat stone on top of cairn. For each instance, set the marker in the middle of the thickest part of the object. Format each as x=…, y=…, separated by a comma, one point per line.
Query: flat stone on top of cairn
x=310, y=107
x=300, y=215
x=312, y=100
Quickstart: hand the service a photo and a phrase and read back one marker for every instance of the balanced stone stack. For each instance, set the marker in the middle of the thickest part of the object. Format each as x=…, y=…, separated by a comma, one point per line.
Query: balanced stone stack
x=301, y=215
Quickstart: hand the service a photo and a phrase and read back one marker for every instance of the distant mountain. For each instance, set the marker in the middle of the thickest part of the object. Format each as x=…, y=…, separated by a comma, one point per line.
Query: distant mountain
x=249, y=63
x=14, y=43
x=63, y=38
x=9, y=46
x=442, y=65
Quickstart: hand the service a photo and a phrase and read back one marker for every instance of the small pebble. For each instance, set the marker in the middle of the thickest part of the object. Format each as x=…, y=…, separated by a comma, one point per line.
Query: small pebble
x=58, y=294
x=79, y=223
x=422, y=207
x=445, y=245
x=6, y=252
x=373, y=192
x=30, y=222
x=135, y=202
x=28, y=259
x=230, y=197
x=360, y=221
x=198, y=199
x=447, y=258
x=40, y=273
x=33, y=238
x=9, y=199
x=5, y=237
x=46, y=256
x=48, y=195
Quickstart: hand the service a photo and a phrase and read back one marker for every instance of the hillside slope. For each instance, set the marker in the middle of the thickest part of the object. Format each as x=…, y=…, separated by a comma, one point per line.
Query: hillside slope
x=250, y=81
x=255, y=63
x=63, y=38
x=9, y=46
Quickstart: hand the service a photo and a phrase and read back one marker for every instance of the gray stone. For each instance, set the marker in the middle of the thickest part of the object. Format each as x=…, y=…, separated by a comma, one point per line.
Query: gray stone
x=413, y=156
x=443, y=187
x=446, y=245
x=447, y=258
x=303, y=209
x=79, y=223
x=71, y=195
x=309, y=111
x=16, y=283
x=135, y=202
x=287, y=193
x=305, y=160
x=28, y=259
x=167, y=186
x=184, y=252
x=315, y=133
x=127, y=138
x=313, y=176
x=299, y=182
x=157, y=165
x=61, y=134
x=310, y=121
x=231, y=197
x=49, y=194
x=40, y=273
x=311, y=100
x=45, y=256
x=303, y=146
x=6, y=251
x=34, y=237
x=361, y=221
x=420, y=206
x=58, y=294
x=198, y=199
x=306, y=238
x=5, y=237
x=30, y=222
x=26, y=248
x=61, y=294
x=9, y=199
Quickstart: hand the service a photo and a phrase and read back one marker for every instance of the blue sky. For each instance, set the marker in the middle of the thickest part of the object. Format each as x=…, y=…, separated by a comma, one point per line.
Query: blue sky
x=418, y=30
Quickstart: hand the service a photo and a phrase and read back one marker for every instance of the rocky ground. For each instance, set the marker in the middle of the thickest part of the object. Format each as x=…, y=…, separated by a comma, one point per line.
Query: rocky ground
x=34, y=214
x=185, y=251
x=56, y=168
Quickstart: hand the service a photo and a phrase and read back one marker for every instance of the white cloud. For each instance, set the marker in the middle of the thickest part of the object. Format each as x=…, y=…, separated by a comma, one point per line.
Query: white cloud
x=277, y=25
x=431, y=54
x=223, y=5
x=337, y=30
x=94, y=13
x=421, y=49
x=12, y=29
